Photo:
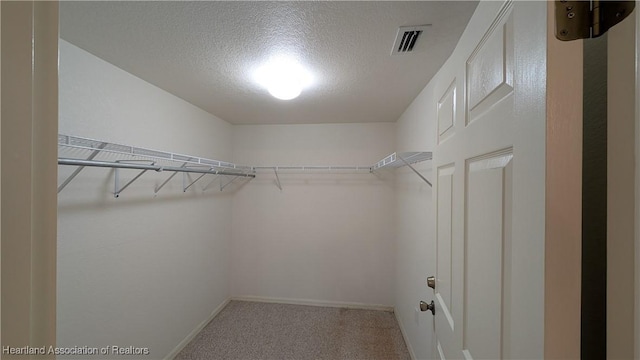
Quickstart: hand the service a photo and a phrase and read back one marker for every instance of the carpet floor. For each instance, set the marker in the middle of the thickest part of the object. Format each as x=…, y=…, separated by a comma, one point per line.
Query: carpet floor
x=253, y=330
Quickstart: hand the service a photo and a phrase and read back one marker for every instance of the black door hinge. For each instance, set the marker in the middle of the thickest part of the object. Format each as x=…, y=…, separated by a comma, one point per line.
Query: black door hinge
x=589, y=19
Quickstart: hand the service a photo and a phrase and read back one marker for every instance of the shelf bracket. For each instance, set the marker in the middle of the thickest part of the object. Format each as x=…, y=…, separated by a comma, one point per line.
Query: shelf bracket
x=80, y=168
x=117, y=189
x=185, y=187
x=227, y=183
x=275, y=171
x=414, y=170
x=194, y=181
x=168, y=179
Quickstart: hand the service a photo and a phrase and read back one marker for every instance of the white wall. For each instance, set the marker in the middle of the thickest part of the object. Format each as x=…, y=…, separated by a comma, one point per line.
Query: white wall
x=137, y=270
x=328, y=238
x=415, y=224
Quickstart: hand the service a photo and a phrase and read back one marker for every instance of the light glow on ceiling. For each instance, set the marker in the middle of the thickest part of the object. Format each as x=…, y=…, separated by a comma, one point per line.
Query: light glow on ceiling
x=283, y=77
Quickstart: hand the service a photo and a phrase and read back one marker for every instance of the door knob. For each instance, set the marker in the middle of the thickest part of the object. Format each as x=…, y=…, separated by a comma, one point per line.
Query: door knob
x=431, y=282
x=428, y=306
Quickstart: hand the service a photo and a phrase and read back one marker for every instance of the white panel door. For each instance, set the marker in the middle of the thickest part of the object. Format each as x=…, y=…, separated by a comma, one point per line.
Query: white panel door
x=489, y=187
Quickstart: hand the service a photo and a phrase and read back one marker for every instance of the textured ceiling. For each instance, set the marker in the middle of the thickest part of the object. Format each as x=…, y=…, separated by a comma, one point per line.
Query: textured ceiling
x=205, y=52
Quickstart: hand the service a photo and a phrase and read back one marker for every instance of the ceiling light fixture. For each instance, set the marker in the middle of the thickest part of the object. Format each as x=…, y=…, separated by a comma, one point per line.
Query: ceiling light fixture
x=283, y=77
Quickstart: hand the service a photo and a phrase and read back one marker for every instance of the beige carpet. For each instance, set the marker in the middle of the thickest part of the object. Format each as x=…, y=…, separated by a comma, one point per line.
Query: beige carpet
x=252, y=330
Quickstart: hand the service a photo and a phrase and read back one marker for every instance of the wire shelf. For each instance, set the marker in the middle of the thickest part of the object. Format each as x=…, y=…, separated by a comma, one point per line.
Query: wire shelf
x=395, y=160
x=391, y=161
x=81, y=152
x=75, y=147
x=314, y=168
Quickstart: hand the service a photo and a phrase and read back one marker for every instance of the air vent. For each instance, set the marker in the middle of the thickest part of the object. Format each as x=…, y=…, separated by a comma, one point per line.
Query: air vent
x=407, y=39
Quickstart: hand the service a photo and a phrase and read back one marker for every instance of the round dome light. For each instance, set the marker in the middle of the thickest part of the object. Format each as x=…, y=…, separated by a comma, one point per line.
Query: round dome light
x=285, y=88
x=284, y=78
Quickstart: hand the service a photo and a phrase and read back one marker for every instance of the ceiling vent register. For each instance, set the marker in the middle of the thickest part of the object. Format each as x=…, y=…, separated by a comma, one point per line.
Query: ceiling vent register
x=407, y=38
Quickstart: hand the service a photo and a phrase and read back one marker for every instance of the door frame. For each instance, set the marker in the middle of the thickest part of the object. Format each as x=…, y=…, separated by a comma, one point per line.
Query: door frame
x=29, y=173
x=637, y=191
x=563, y=213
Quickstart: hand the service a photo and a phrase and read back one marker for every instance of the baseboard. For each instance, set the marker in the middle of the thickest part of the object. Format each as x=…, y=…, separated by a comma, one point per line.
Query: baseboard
x=195, y=331
x=405, y=337
x=309, y=302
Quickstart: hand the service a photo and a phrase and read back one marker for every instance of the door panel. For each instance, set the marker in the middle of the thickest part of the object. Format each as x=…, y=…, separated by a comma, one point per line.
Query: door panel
x=447, y=112
x=488, y=180
x=490, y=68
x=440, y=352
x=444, y=257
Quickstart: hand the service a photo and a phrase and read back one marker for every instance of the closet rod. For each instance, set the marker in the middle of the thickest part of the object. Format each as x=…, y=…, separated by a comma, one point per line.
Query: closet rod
x=108, y=164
